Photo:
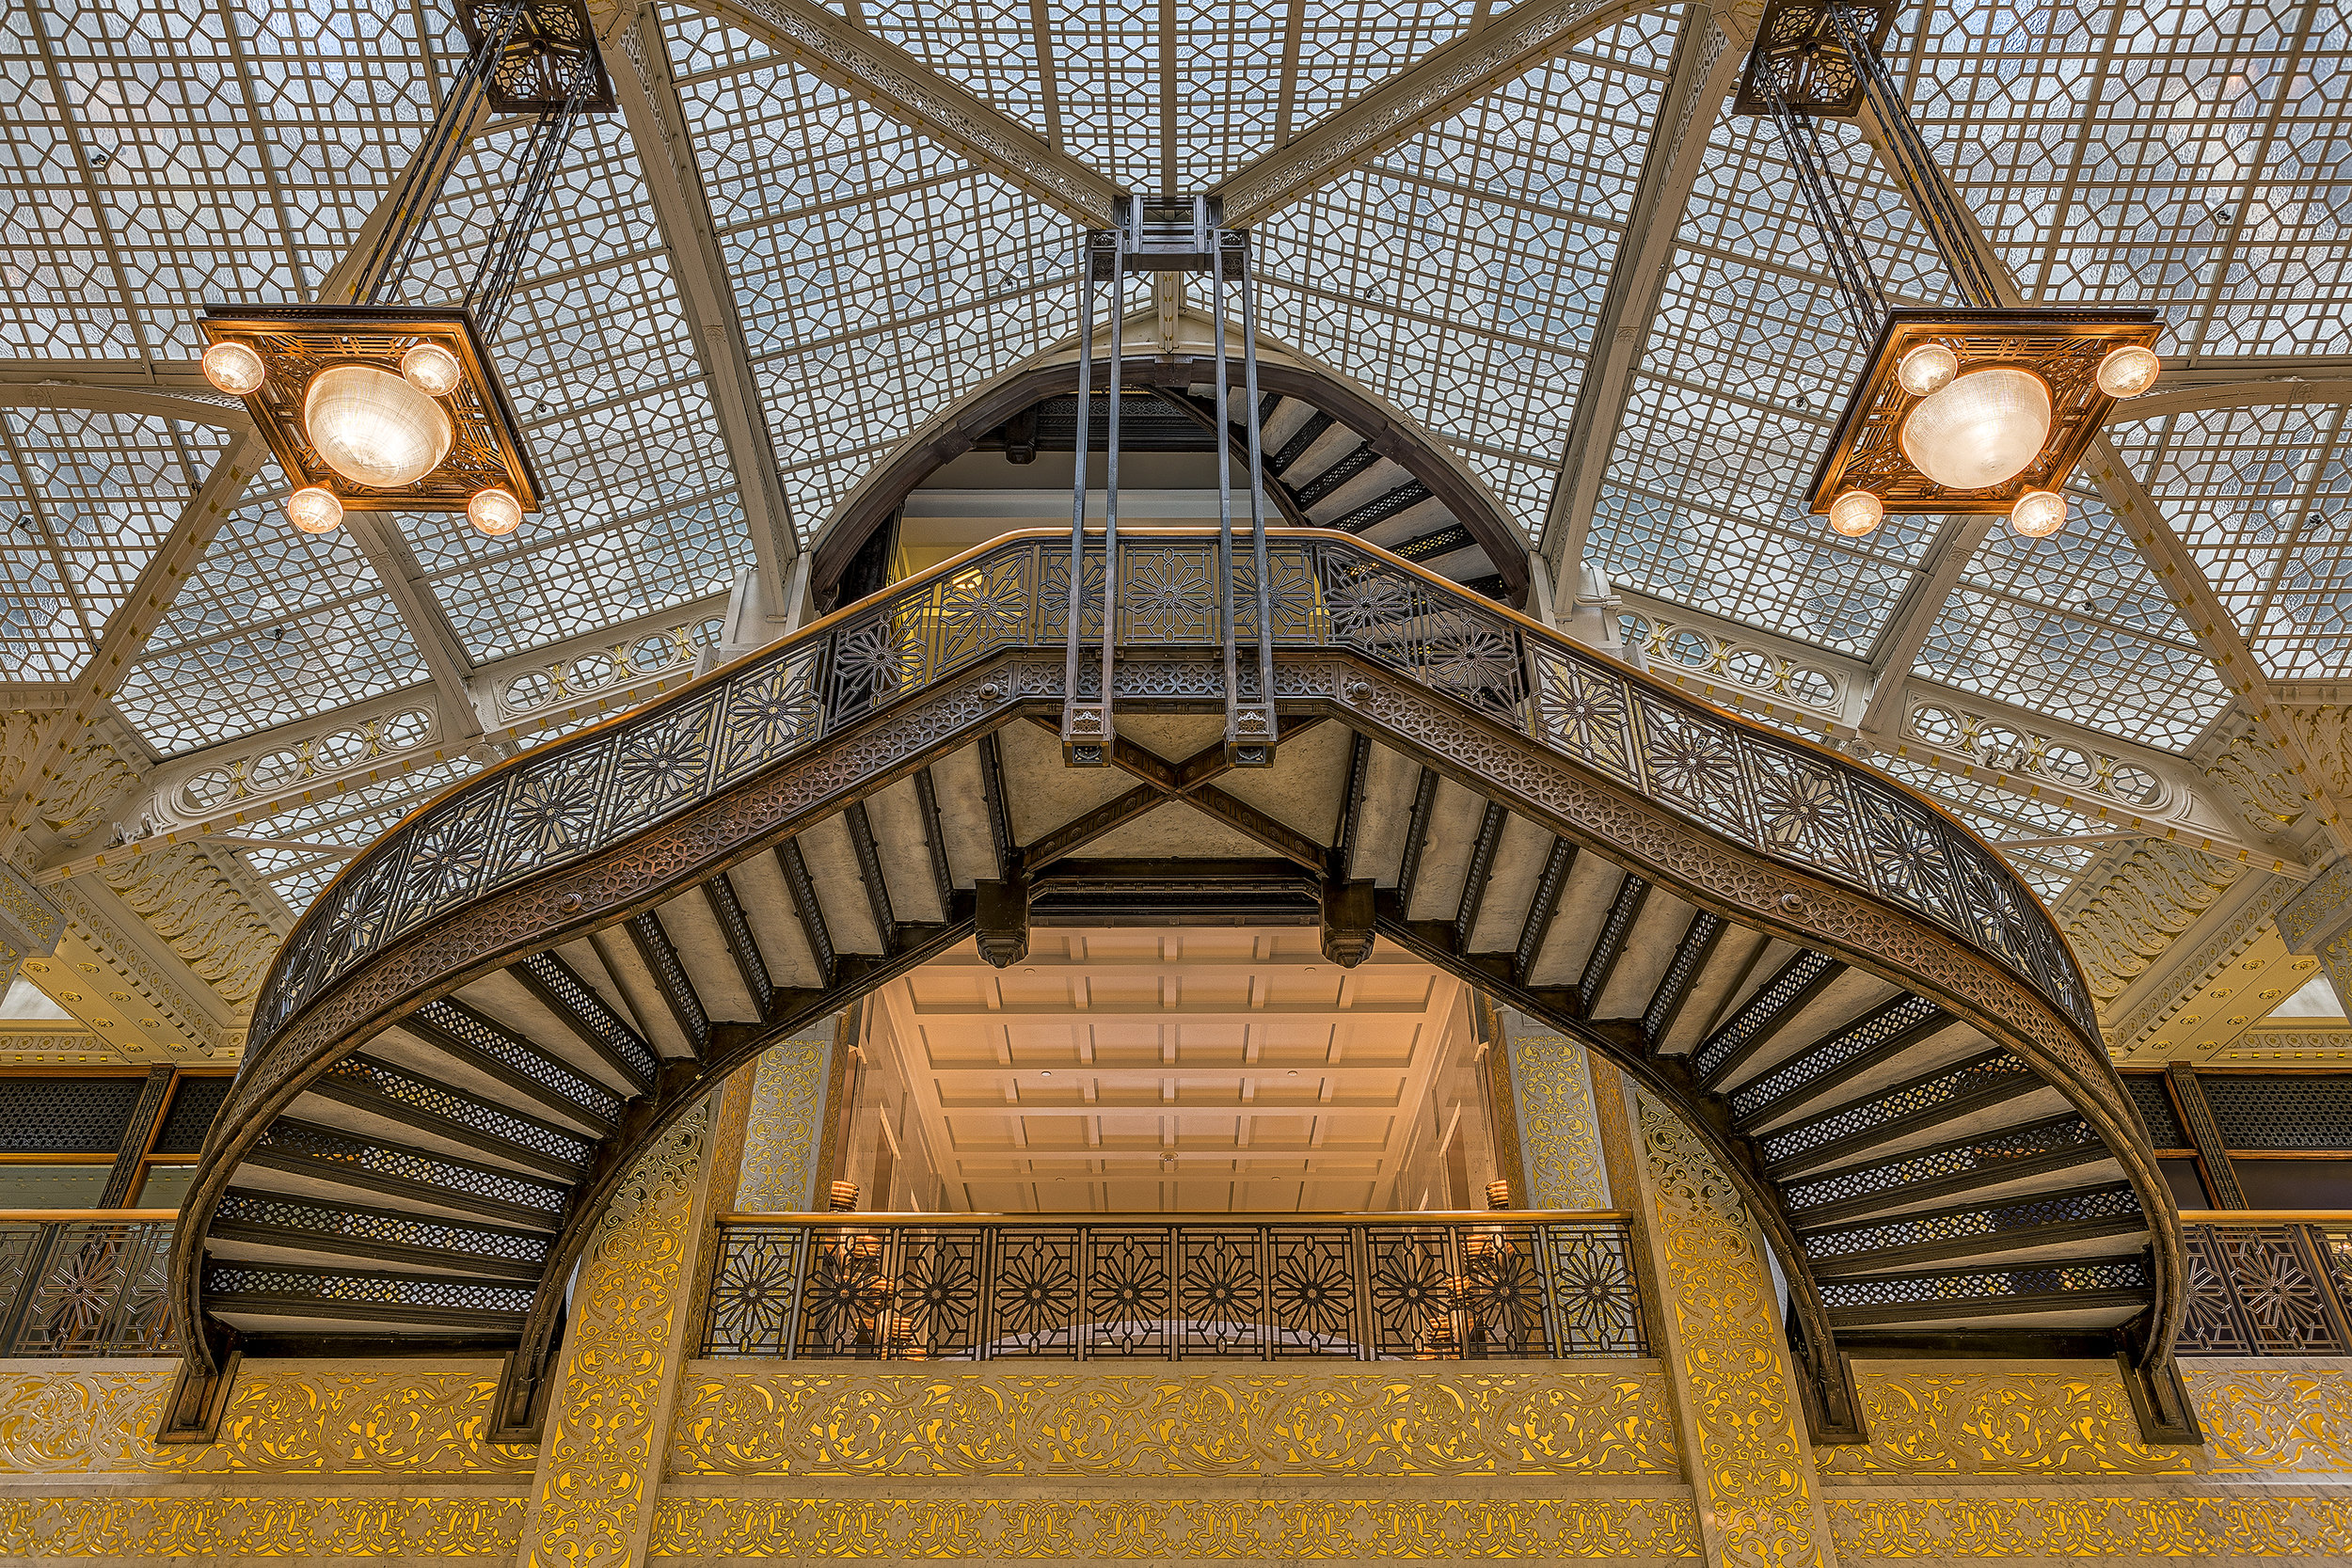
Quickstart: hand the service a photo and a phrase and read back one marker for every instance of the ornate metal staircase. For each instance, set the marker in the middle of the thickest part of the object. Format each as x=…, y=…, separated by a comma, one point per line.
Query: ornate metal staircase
x=473, y=1032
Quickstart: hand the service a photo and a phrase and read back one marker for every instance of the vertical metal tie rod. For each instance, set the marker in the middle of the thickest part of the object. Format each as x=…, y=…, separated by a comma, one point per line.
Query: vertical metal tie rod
x=1080, y=726
x=1228, y=628
x=1110, y=492
x=1253, y=746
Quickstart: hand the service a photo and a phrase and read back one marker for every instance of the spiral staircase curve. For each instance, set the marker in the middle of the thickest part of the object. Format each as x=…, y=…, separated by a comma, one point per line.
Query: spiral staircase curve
x=470, y=1036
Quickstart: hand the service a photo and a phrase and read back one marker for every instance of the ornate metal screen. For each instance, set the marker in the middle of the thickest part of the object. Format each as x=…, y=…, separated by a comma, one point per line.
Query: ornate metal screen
x=2268, y=1290
x=1209, y=1289
x=1805, y=807
x=85, y=1288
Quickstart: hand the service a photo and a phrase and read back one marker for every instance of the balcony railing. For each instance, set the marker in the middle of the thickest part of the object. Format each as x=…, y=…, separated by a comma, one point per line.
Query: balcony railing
x=924, y=1288
x=2269, y=1284
x=86, y=1282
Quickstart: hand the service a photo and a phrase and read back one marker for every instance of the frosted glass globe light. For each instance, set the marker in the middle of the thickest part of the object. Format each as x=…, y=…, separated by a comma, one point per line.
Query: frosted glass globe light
x=234, y=368
x=374, y=429
x=495, y=511
x=2038, y=513
x=1855, y=513
x=2128, y=372
x=1981, y=429
x=313, y=509
x=431, y=369
x=1928, y=368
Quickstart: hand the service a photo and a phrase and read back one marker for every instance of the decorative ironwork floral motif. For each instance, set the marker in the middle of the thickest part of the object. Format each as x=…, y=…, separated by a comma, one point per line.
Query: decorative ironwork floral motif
x=1444, y=1289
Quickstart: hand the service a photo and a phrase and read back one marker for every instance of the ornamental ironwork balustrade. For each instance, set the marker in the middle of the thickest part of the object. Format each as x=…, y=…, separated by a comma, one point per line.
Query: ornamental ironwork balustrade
x=85, y=1288
x=1794, y=803
x=2268, y=1290
x=1209, y=1288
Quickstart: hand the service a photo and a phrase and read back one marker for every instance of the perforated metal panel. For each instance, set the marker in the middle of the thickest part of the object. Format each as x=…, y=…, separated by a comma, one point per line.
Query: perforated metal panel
x=65, y=1115
x=194, y=1103
x=2280, y=1113
x=2155, y=1108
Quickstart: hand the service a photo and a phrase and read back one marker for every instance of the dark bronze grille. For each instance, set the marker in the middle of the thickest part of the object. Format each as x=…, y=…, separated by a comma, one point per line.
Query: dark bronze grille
x=65, y=1115
x=1395, y=1289
x=2155, y=1109
x=194, y=1103
x=2267, y=1289
x=85, y=1288
x=2304, y=1112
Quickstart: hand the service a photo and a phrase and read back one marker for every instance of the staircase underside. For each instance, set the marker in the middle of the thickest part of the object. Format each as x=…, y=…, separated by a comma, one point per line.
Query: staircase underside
x=1927, y=1141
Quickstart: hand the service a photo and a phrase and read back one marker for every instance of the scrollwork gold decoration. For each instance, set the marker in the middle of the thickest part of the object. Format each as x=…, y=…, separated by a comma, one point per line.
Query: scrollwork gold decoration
x=780, y=1140
x=2127, y=1528
x=1540, y=1421
x=1748, y=1460
x=1558, y=1135
x=1284, y=1529
x=2283, y=1420
x=232, y=1530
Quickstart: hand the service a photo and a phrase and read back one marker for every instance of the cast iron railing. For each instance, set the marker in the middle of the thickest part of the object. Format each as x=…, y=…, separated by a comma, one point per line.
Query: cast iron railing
x=1800, y=805
x=2268, y=1286
x=1146, y=1288
x=85, y=1287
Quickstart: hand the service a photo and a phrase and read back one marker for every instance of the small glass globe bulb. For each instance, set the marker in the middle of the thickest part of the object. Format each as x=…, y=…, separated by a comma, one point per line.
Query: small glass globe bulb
x=234, y=368
x=431, y=369
x=2038, y=513
x=495, y=511
x=314, y=509
x=1928, y=368
x=1855, y=513
x=2129, y=371
x=1981, y=429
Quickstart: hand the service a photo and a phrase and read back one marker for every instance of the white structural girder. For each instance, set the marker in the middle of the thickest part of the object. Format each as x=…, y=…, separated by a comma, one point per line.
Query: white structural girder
x=2192, y=386
x=639, y=64
x=1441, y=83
x=1914, y=616
x=1707, y=59
x=903, y=88
x=404, y=581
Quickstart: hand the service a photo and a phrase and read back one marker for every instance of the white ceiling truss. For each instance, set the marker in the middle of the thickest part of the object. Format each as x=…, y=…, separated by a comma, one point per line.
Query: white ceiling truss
x=1534, y=228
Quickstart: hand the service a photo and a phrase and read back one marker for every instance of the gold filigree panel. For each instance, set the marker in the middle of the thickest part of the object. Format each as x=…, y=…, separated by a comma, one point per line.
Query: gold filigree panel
x=1748, y=1460
x=296, y=1418
x=1537, y=1420
x=235, y=1528
x=2077, y=1421
x=780, y=1138
x=2134, y=1528
x=1559, y=1136
x=1226, y=1529
x=598, y=1463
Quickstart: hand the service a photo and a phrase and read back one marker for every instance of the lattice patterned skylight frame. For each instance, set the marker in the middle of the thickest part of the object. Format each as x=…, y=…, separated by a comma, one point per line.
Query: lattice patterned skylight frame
x=298, y=341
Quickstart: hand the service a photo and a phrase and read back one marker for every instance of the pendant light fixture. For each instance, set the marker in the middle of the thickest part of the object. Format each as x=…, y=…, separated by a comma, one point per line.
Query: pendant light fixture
x=1983, y=409
x=374, y=405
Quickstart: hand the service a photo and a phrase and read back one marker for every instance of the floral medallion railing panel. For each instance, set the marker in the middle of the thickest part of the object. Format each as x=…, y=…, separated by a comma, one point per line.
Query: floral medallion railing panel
x=1811, y=810
x=85, y=1288
x=1209, y=1289
x=2267, y=1289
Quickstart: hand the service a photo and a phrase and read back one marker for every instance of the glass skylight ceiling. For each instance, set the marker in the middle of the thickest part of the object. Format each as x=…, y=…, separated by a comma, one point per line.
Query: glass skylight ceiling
x=2181, y=155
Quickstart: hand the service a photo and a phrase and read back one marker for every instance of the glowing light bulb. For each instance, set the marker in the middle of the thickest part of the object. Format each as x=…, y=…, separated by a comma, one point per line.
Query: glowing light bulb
x=1928, y=368
x=314, y=509
x=1855, y=513
x=431, y=369
x=495, y=511
x=2129, y=371
x=234, y=368
x=2038, y=513
x=1981, y=429
x=373, y=428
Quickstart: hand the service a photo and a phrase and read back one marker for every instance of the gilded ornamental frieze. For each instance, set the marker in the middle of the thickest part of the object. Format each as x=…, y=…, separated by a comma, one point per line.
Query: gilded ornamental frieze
x=1544, y=1420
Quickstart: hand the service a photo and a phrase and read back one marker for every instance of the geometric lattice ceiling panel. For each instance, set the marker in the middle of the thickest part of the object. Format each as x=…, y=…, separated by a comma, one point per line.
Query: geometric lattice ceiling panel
x=1745, y=366
x=86, y=500
x=2075, y=627
x=2263, y=500
x=2177, y=154
x=1461, y=275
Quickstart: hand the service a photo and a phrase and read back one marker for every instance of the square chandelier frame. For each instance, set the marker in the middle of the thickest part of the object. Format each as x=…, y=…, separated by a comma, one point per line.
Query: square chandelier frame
x=2062, y=347
x=296, y=341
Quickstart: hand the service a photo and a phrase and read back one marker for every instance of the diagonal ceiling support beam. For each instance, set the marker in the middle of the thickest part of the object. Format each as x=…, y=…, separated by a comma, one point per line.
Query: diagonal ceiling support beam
x=904, y=88
x=637, y=62
x=379, y=540
x=129, y=627
x=1708, y=59
x=2192, y=386
x=1443, y=82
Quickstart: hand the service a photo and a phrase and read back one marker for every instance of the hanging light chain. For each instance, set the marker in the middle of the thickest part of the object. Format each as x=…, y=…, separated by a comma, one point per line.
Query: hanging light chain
x=1857, y=285
x=494, y=285
x=1932, y=194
